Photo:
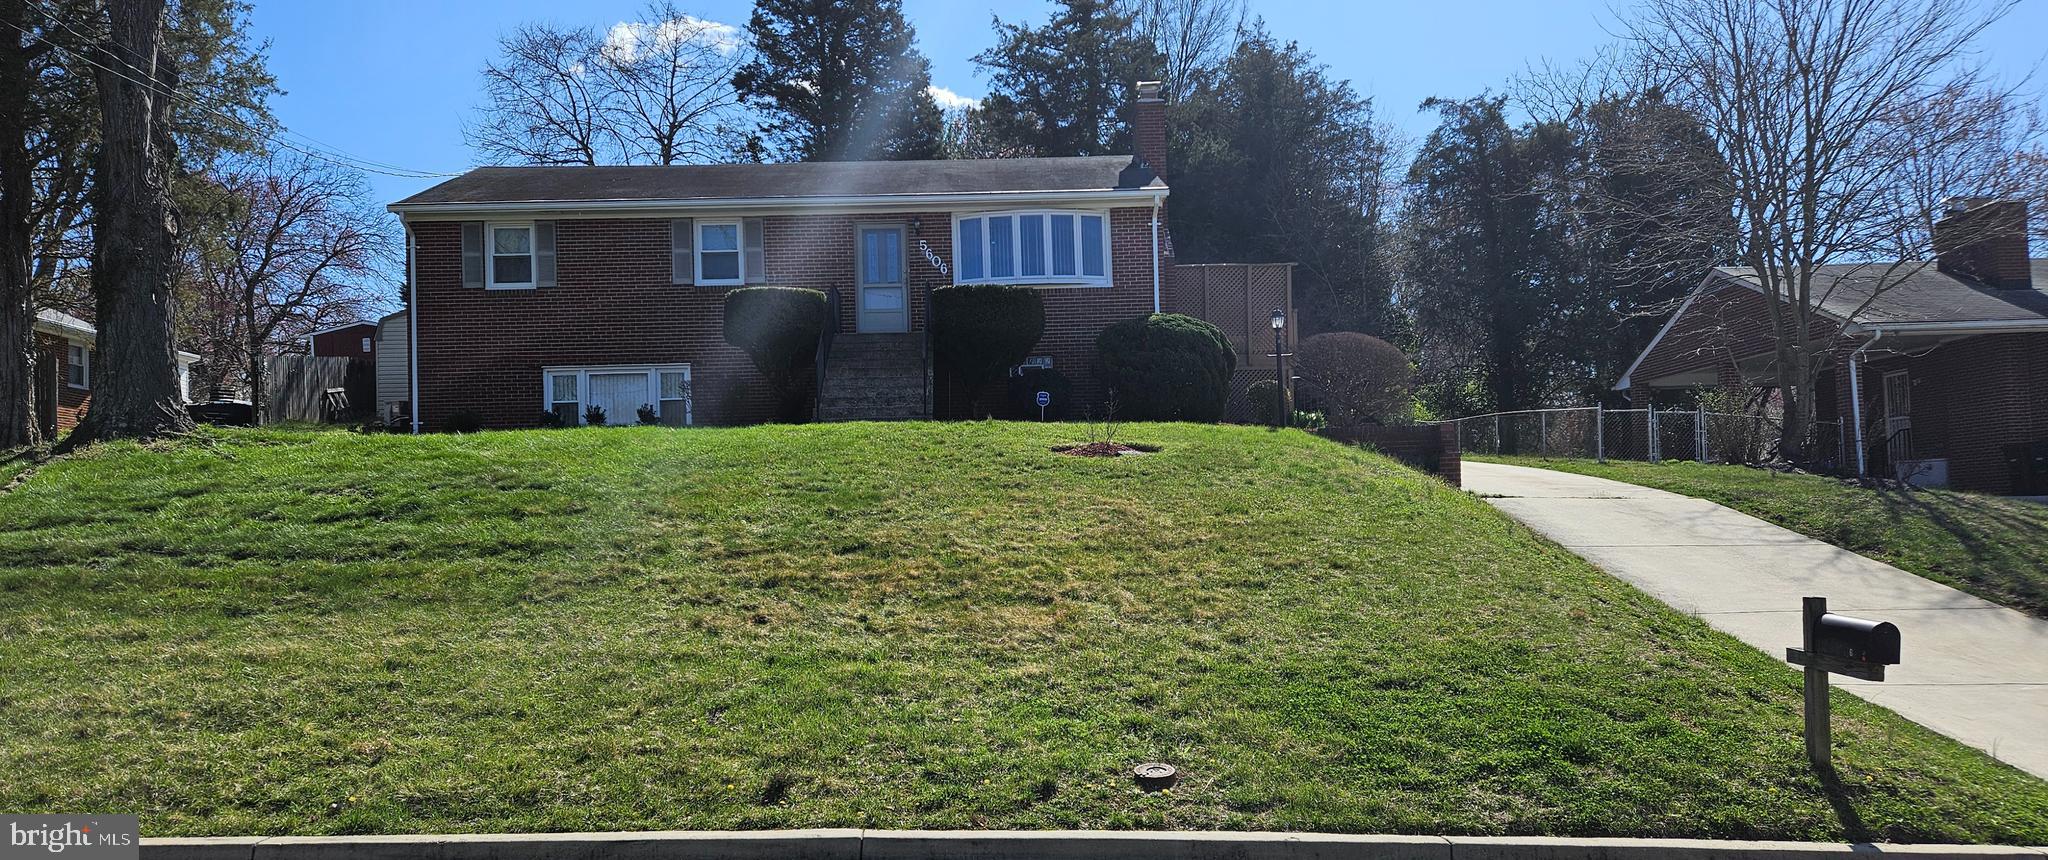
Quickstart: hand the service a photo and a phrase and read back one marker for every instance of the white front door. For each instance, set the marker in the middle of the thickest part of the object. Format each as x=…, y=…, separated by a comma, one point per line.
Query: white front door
x=882, y=294
x=621, y=395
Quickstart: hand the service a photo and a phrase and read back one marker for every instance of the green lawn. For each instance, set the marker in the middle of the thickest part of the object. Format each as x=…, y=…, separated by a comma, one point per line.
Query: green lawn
x=1992, y=547
x=912, y=625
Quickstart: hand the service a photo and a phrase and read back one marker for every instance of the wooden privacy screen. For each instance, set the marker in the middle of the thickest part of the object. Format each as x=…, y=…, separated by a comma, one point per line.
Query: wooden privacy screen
x=1238, y=298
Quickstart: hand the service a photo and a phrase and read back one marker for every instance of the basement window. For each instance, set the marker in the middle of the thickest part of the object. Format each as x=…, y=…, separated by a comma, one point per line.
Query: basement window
x=621, y=390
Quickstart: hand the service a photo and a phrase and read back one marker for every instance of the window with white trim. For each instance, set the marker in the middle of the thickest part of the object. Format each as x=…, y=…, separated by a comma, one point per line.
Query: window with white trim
x=621, y=390
x=78, y=365
x=718, y=254
x=510, y=266
x=563, y=400
x=1050, y=247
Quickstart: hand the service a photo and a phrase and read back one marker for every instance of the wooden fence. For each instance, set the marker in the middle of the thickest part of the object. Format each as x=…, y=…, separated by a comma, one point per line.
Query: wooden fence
x=295, y=388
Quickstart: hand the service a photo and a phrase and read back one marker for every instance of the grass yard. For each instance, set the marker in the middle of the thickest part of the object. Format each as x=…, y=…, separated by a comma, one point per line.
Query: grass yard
x=910, y=625
x=1991, y=547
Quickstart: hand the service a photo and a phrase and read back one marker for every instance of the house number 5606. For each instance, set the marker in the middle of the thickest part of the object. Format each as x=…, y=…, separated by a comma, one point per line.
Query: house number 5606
x=932, y=257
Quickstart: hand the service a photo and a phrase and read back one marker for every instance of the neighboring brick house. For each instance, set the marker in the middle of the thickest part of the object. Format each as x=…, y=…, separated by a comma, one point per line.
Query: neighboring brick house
x=1941, y=375
x=356, y=339
x=554, y=289
x=63, y=370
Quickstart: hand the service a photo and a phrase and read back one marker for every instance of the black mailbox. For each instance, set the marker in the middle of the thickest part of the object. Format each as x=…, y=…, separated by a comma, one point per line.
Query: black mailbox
x=1857, y=639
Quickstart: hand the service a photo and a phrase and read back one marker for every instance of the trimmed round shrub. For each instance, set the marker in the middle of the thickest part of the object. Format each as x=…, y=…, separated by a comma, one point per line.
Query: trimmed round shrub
x=1166, y=367
x=778, y=328
x=980, y=331
x=1259, y=395
x=1355, y=378
x=1021, y=402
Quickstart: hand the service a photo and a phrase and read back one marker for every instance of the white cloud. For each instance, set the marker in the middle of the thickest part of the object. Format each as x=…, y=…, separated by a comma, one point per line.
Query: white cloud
x=625, y=39
x=949, y=100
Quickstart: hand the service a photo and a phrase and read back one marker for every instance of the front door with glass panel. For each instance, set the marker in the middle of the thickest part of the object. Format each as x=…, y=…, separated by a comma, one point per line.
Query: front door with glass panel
x=882, y=293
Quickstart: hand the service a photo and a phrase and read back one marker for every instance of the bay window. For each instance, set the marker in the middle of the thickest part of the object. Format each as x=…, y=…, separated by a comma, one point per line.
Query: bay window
x=1043, y=247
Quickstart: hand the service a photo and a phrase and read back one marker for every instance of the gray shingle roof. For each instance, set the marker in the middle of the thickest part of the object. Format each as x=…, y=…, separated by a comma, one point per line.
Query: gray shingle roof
x=65, y=322
x=795, y=181
x=1922, y=295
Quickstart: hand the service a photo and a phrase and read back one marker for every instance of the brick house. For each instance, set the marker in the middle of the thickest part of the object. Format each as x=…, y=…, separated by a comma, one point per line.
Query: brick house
x=553, y=289
x=1938, y=369
x=63, y=375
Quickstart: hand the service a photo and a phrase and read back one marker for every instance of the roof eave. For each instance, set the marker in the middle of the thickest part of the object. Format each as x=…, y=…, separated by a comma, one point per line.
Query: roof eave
x=866, y=202
x=1938, y=327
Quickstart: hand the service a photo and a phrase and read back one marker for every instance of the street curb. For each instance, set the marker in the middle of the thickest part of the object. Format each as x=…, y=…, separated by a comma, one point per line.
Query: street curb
x=855, y=844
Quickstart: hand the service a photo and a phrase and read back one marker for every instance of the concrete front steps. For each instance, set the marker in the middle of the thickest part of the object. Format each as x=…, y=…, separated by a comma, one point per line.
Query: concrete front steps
x=874, y=377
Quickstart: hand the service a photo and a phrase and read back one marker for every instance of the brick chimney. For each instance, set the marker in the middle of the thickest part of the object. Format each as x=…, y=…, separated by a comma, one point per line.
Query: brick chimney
x=1148, y=128
x=1985, y=239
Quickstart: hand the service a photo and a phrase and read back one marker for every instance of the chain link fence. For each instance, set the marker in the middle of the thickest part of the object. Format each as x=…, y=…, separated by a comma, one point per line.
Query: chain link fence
x=1595, y=433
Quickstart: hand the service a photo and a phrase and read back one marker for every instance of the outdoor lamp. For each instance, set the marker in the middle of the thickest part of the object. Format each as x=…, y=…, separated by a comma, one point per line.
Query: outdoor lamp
x=1280, y=410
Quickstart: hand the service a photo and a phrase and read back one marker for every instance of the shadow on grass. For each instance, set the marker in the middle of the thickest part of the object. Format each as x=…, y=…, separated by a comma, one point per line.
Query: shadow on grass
x=2007, y=548
x=1845, y=808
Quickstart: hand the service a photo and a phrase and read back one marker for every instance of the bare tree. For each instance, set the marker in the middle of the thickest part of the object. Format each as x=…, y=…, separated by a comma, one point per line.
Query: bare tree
x=295, y=245
x=653, y=91
x=1192, y=35
x=1824, y=116
x=135, y=238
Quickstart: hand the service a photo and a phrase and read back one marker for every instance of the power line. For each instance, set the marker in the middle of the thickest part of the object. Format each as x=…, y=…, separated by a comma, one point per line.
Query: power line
x=277, y=134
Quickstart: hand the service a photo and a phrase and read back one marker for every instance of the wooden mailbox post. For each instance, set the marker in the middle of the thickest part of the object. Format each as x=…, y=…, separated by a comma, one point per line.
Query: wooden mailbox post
x=1856, y=647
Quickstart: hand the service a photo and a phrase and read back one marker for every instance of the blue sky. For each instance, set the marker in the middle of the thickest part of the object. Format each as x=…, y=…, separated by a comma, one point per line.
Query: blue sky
x=392, y=80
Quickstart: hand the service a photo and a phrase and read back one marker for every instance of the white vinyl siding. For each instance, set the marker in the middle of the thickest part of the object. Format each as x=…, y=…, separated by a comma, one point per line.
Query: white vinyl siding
x=1050, y=248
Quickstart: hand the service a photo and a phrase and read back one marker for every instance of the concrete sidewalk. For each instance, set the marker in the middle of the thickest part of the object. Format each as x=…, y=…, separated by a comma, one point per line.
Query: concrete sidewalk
x=1972, y=670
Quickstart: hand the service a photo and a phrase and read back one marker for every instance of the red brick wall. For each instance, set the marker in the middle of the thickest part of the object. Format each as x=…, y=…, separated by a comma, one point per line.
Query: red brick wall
x=347, y=342
x=483, y=349
x=1728, y=323
x=1970, y=399
x=71, y=402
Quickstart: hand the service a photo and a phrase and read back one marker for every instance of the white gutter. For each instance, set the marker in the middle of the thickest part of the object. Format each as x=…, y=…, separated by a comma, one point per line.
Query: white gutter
x=1155, y=255
x=412, y=322
x=1856, y=398
x=1961, y=327
x=866, y=202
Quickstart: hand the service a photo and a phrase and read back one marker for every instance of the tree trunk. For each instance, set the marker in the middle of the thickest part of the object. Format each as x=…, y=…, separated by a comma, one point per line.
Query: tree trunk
x=18, y=424
x=135, y=378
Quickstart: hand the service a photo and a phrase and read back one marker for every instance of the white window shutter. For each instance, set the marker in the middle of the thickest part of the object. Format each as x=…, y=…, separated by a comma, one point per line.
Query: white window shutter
x=755, y=264
x=682, y=263
x=544, y=253
x=473, y=254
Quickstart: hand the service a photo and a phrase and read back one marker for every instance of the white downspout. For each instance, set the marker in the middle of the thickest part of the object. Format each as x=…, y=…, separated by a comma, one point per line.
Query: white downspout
x=1856, y=398
x=1155, y=255
x=412, y=322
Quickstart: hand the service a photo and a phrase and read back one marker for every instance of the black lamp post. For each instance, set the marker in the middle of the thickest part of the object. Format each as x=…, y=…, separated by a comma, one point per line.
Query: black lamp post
x=1280, y=367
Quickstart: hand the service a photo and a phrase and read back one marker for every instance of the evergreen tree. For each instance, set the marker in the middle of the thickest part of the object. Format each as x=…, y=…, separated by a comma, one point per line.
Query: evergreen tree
x=840, y=80
x=1273, y=160
x=1065, y=88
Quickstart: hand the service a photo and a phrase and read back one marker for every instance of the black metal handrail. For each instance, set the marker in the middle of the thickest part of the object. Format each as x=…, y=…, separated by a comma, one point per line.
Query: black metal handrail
x=825, y=333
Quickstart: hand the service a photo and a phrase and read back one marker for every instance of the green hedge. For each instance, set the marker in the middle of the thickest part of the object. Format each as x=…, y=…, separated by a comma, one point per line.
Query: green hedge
x=778, y=328
x=1167, y=367
x=980, y=331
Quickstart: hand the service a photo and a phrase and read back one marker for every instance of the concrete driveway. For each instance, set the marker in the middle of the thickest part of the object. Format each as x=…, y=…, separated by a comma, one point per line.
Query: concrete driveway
x=1972, y=670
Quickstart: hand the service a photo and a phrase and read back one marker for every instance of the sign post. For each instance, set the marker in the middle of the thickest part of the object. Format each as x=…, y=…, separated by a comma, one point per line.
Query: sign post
x=1044, y=400
x=1856, y=647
